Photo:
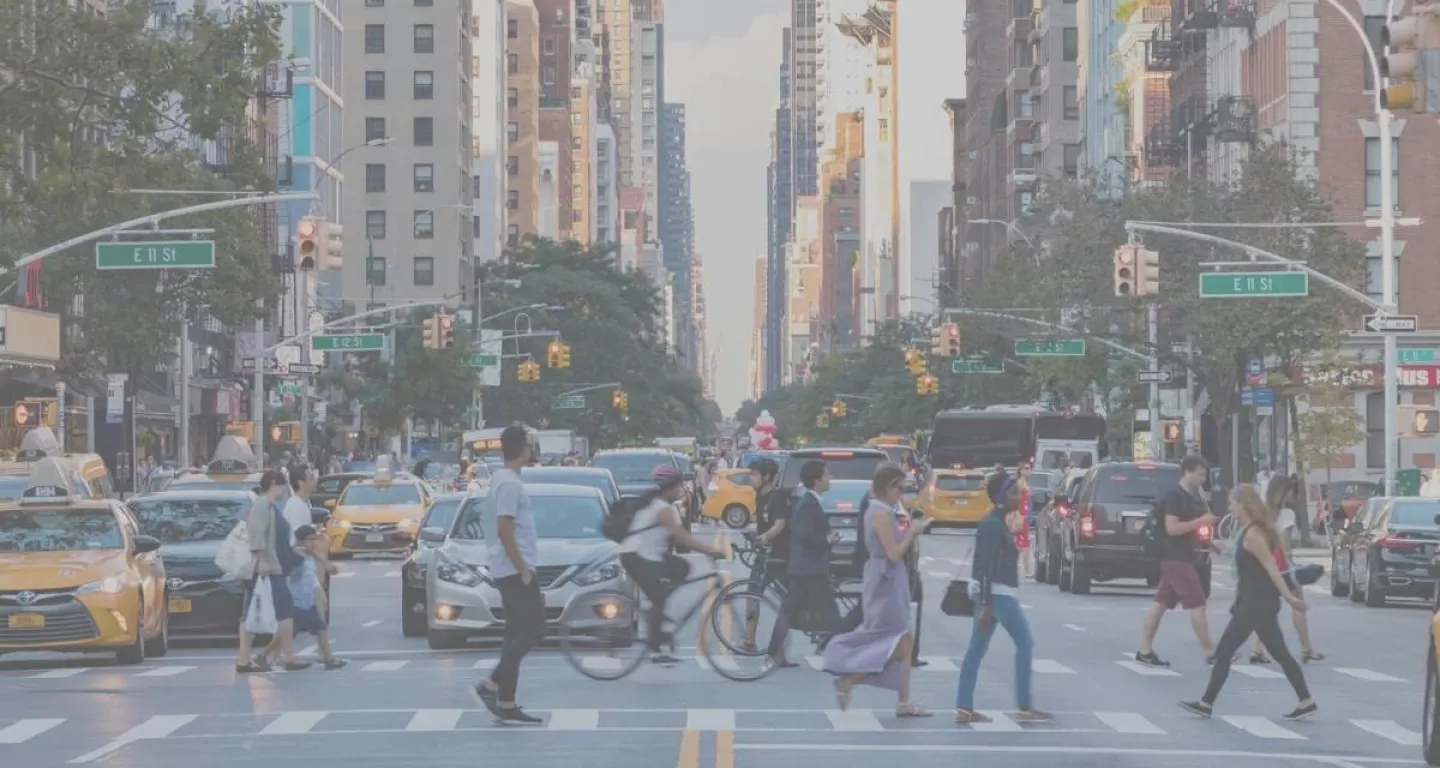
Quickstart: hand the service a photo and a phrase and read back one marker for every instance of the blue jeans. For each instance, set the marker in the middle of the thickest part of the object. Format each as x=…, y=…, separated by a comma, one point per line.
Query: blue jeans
x=1008, y=614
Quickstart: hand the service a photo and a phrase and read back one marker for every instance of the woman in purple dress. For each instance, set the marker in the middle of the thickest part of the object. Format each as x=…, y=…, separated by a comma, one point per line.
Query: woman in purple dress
x=878, y=653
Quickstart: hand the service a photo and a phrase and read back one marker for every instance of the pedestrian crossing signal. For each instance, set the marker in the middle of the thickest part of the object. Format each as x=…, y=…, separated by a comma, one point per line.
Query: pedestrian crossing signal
x=1173, y=431
x=26, y=415
x=1427, y=422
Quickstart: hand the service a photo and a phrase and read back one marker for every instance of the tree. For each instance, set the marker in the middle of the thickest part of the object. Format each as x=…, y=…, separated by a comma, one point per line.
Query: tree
x=92, y=106
x=1328, y=427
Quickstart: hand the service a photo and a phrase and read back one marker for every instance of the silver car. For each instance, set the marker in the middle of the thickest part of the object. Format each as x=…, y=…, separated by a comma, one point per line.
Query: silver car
x=575, y=559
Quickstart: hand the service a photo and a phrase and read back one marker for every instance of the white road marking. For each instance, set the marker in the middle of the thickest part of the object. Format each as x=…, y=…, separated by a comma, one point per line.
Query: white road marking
x=710, y=719
x=390, y=574
x=165, y=671
x=1050, y=667
x=999, y=723
x=1251, y=670
x=1128, y=722
x=1074, y=627
x=1391, y=730
x=435, y=719
x=308, y=650
x=573, y=720
x=24, y=730
x=371, y=623
x=290, y=723
x=1261, y=727
x=384, y=666
x=157, y=727
x=815, y=662
x=1026, y=606
x=1141, y=669
x=937, y=574
x=1368, y=674
x=343, y=575
x=853, y=720
x=939, y=664
x=52, y=674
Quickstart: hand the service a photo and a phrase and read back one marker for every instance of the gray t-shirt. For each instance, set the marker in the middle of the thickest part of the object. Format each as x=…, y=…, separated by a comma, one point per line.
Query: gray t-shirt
x=507, y=498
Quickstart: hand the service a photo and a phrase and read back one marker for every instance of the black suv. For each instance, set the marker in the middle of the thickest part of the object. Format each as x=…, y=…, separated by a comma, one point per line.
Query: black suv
x=1103, y=537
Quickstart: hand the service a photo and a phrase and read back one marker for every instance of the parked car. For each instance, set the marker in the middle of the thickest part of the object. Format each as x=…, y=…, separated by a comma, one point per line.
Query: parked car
x=1391, y=551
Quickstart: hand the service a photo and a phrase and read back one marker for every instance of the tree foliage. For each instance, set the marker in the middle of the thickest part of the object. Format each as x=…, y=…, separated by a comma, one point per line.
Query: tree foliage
x=1329, y=425
x=93, y=106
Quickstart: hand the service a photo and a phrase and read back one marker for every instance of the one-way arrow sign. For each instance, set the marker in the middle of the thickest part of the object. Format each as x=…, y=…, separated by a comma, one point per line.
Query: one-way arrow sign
x=307, y=368
x=1153, y=377
x=1391, y=323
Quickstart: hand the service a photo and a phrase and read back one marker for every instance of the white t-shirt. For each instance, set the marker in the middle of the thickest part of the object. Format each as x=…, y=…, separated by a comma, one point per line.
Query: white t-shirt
x=297, y=513
x=648, y=538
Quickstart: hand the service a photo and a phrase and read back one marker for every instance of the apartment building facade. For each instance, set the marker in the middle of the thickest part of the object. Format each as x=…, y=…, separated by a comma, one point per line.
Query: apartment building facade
x=841, y=182
x=522, y=125
x=490, y=104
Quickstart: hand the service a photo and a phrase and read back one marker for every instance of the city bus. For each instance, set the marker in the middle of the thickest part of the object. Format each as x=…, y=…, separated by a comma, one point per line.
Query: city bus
x=1009, y=435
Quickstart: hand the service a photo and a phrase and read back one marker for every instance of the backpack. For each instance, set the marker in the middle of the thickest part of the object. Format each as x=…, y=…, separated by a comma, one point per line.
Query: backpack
x=1153, y=535
x=861, y=554
x=616, y=526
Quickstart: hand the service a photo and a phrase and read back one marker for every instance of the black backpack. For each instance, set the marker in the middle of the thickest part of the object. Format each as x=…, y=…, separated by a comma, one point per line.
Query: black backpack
x=1153, y=535
x=616, y=526
x=861, y=554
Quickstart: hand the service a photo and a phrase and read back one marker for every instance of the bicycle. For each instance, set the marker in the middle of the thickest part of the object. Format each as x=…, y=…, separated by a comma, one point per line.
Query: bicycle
x=592, y=645
x=763, y=583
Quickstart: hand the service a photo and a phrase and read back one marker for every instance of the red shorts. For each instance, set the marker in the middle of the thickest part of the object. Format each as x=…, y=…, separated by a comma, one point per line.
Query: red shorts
x=1179, y=585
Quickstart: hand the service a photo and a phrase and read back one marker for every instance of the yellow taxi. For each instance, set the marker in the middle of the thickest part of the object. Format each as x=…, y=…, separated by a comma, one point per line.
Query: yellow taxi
x=1430, y=721
x=76, y=575
x=954, y=497
x=41, y=443
x=232, y=468
x=730, y=497
x=378, y=514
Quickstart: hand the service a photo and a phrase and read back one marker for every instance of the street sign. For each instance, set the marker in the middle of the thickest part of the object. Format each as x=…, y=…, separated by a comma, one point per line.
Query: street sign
x=272, y=366
x=1153, y=377
x=1416, y=355
x=349, y=342
x=570, y=403
x=309, y=369
x=172, y=254
x=1254, y=371
x=481, y=360
x=974, y=366
x=1258, y=398
x=290, y=389
x=1241, y=285
x=1391, y=323
x=1050, y=347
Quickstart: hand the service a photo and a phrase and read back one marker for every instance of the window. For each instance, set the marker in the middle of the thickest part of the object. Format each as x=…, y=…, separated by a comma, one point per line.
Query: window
x=883, y=126
x=1072, y=160
x=512, y=63
x=1070, y=101
x=424, y=3
x=375, y=177
x=374, y=128
x=424, y=270
x=374, y=3
x=575, y=120
x=512, y=166
x=512, y=235
x=424, y=38
x=1373, y=272
x=475, y=186
x=374, y=85
x=512, y=97
x=1070, y=43
x=374, y=38
x=1024, y=105
x=424, y=225
x=375, y=270
x=512, y=29
x=1022, y=203
x=424, y=131
x=512, y=131
x=474, y=226
x=424, y=177
x=549, y=75
x=1372, y=173
x=575, y=142
x=1024, y=54
x=512, y=199
x=549, y=46
x=847, y=214
x=1375, y=430
x=1024, y=155
x=374, y=225
x=1373, y=26
x=424, y=85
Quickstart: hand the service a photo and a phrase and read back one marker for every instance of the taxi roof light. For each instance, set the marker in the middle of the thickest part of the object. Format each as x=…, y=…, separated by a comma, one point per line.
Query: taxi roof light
x=232, y=457
x=50, y=483
x=37, y=444
x=384, y=470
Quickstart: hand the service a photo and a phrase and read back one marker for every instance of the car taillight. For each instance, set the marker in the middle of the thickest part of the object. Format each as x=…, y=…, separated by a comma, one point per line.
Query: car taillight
x=1395, y=542
x=1062, y=511
x=1087, y=523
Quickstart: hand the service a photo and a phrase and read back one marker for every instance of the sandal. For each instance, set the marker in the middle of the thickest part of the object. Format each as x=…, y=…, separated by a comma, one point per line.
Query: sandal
x=1033, y=716
x=251, y=668
x=1309, y=656
x=842, y=694
x=970, y=717
x=1259, y=658
x=910, y=709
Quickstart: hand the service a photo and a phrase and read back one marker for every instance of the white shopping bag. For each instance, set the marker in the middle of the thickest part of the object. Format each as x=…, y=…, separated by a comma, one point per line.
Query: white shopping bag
x=260, y=611
x=234, y=556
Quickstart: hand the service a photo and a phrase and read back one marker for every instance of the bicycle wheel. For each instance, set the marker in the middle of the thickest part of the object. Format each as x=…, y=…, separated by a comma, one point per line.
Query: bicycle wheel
x=603, y=638
x=741, y=622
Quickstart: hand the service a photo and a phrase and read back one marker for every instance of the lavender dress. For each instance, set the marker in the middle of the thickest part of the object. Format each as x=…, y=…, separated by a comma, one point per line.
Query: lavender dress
x=885, y=605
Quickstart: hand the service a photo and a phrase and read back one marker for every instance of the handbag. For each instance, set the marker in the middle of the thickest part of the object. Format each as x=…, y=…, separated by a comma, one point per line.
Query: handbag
x=234, y=557
x=957, y=600
x=1307, y=574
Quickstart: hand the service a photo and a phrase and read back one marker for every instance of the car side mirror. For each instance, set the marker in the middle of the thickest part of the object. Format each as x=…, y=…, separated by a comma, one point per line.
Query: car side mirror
x=319, y=515
x=432, y=535
x=144, y=544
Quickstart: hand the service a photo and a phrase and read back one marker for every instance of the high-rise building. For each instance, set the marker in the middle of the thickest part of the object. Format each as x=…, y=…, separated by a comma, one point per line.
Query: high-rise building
x=522, y=126
x=841, y=180
x=677, y=227
x=489, y=80
x=1099, y=78
x=1052, y=148
x=759, y=322
x=557, y=49
x=841, y=68
x=607, y=184
x=412, y=203
x=994, y=48
x=804, y=43
x=779, y=197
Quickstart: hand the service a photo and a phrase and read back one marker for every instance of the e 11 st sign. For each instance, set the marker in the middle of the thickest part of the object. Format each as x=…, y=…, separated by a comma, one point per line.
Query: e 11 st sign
x=172, y=254
x=349, y=342
x=1240, y=285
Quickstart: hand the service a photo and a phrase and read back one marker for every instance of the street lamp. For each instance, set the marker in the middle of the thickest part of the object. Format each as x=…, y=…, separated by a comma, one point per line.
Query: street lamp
x=1010, y=225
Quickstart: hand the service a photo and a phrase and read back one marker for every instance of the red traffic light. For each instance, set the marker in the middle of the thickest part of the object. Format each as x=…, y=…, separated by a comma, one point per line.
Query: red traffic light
x=447, y=322
x=306, y=228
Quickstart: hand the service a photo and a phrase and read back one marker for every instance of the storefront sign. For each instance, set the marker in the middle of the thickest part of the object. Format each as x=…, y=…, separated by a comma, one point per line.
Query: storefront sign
x=1370, y=376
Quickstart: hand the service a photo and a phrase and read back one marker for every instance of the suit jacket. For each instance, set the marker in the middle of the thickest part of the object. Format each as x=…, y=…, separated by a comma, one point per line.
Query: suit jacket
x=809, y=530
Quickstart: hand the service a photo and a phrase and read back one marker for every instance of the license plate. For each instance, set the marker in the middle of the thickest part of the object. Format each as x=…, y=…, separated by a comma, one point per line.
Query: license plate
x=180, y=605
x=27, y=621
x=1134, y=524
x=847, y=535
x=374, y=538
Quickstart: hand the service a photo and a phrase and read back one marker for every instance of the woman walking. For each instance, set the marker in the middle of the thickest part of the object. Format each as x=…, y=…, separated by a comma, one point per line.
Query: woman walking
x=1281, y=495
x=879, y=652
x=1257, y=605
x=1022, y=535
x=995, y=587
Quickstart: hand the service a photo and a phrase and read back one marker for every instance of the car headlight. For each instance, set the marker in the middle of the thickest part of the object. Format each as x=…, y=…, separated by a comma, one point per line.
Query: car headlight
x=712, y=488
x=409, y=523
x=110, y=585
x=457, y=574
x=604, y=570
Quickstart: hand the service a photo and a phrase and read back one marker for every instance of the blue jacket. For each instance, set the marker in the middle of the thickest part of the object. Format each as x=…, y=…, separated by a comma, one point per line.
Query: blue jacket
x=809, y=530
x=997, y=560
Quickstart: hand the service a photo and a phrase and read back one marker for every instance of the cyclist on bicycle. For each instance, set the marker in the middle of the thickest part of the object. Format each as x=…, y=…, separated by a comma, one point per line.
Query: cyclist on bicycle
x=648, y=553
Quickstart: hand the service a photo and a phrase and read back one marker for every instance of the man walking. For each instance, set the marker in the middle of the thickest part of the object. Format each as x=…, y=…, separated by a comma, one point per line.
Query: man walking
x=808, y=587
x=1180, y=513
x=510, y=539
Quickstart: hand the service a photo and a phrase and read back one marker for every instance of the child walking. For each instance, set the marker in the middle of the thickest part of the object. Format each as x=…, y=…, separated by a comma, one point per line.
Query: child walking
x=304, y=583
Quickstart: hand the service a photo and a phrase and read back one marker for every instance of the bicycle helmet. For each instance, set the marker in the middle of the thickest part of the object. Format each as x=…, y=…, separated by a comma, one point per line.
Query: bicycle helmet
x=667, y=476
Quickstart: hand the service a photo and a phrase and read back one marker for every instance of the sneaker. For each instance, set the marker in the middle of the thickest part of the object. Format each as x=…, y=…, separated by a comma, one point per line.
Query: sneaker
x=517, y=716
x=1197, y=708
x=334, y=664
x=1302, y=712
x=1151, y=660
x=490, y=699
x=664, y=658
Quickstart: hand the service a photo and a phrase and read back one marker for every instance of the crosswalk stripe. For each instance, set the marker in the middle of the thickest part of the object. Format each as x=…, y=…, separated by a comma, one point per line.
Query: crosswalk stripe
x=290, y=723
x=1261, y=727
x=371, y=623
x=157, y=727
x=999, y=723
x=1050, y=667
x=815, y=662
x=389, y=574
x=344, y=575
x=1141, y=669
x=1391, y=730
x=435, y=720
x=1368, y=674
x=853, y=720
x=24, y=730
x=165, y=671
x=573, y=720
x=1128, y=722
x=384, y=666
x=710, y=719
x=938, y=664
x=1074, y=627
x=53, y=674
x=1250, y=670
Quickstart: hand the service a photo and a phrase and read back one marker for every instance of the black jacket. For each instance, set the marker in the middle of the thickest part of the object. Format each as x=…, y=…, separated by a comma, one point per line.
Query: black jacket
x=809, y=530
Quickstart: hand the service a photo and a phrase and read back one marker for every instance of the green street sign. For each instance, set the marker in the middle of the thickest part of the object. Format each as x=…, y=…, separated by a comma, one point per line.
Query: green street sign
x=975, y=366
x=1050, y=347
x=1239, y=285
x=290, y=388
x=571, y=403
x=481, y=360
x=1416, y=355
x=160, y=254
x=371, y=398
x=349, y=342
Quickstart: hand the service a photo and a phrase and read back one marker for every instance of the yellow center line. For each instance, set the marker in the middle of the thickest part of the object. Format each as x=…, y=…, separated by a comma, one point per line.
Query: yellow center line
x=689, y=750
x=724, y=749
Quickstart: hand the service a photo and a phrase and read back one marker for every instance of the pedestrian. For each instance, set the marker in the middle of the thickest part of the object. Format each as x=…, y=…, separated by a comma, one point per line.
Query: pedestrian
x=513, y=553
x=772, y=509
x=1180, y=514
x=310, y=600
x=995, y=588
x=1280, y=494
x=879, y=652
x=272, y=557
x=808, y=591
x=1258, y=594
x=1022, y=536
x=852, y=620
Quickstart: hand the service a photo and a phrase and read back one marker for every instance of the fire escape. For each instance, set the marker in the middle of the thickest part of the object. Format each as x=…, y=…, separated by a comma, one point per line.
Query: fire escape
x=1162, y=56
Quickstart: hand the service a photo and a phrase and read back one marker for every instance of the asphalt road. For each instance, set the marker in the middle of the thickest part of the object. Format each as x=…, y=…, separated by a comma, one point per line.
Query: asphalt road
x=399, y=703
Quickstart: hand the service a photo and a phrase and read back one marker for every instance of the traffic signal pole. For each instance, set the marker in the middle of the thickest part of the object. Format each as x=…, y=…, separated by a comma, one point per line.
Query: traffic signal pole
x=1157, y=446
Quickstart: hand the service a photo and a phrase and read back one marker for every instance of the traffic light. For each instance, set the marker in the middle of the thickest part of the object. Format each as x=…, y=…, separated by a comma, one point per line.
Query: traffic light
x=616, y=398
x=1125, y=270
x=307, y=243
x=837, y=408
x=529, y=370
x=564, y=357
x=952, y=340
x=1426, y=422
x=48, y=413
x=822, y=420
x=1173, y=431
x=431, y=333
x=927, y=385
x=26, y=415
x=445, y=331
x=558, y=354
x=937, y=341
x=914, y=362
x=1407, y=37
x=1147, y=274
x=332, y=245
x=621, y=400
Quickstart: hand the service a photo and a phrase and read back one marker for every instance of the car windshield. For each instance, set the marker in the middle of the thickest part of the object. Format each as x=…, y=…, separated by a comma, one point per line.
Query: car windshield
x=844, y=497
x=895, y=453
x=1415, y=513
x=1043, y=481
x=54, y=530
x=333, y=485
x=959, y=483
x=481, y=471
x=11, y=486
x=594, y=480
x=1136, y=483
x=556, y=517
x=442, y=512
x=842, y=465
x=374, y=495
x=176, y=521
x=631, y=467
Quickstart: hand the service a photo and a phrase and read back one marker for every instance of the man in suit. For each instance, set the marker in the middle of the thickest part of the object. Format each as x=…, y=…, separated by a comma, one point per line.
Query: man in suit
x=808, y=590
